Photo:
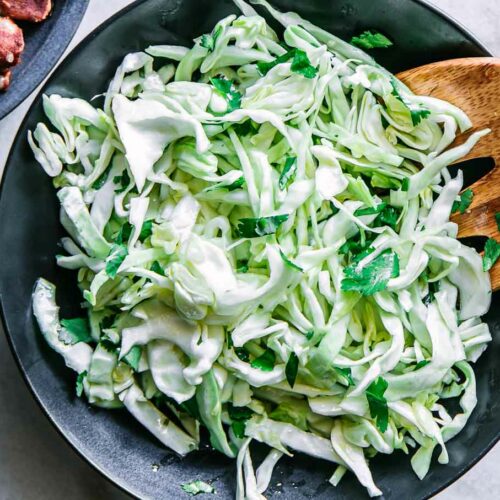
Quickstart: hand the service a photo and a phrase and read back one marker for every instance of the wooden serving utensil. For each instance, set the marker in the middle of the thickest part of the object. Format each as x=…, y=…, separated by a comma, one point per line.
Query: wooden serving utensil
x=473, y=85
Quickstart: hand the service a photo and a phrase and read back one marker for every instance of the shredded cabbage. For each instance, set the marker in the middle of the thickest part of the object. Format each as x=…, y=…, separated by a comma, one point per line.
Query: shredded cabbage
x=261, y=228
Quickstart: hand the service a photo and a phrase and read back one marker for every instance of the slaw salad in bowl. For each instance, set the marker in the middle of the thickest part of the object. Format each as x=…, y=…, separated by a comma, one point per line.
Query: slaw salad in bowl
x=260, y=226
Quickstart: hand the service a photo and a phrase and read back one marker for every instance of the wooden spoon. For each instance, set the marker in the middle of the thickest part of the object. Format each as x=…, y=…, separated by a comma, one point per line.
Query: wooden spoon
x=472, y=84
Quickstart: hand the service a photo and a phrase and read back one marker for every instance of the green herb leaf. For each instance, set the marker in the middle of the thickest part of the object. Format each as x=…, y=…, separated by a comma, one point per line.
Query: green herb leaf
x=116, y=257
x=195, y=487
x=433, y=289
x=123, y=234
x=309, y=334
x=265, y=361
x=237, y=184
x=300, y=63
x=146, y=230
x=372, y=277
x=388, y=217
x=238, y=429
x=345, y=373
x=289, y=263
x=242, y=354
x=265, y=67
x=100, y=181
x=288, y=173
x=133, y=357
x=123, y=181
x=497, y=218
x=209, y=41
x=79, y=383
x=405, y=184
x=417, y=115
x=227, y=90
x=292, y=368
x=370, y=210
x=377, y=403
x=491, y=253
x=108, y=345
x=371, y=40
x=156, y=268
x=75, y=330
x=242, y=266
x=421, y=364
x=464, y=203
x=254, y=227
x=239, y=416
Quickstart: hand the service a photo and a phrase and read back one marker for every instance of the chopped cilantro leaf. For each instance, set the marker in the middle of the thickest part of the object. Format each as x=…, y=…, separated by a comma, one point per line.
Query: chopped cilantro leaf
x=421, y=364
x=464, y=203
x=124, y=233
x=377, y=403
x=116, y=257
x=242, y=266
x=497, y=218
x=372, y=277
x=300, y=63
x=292, y=368
x=123, y=181
x=253, y=227
x=79, y=383
x=242, y=354
x=288, y=173
x=209, y=41
x=195, y=487
x=289, y=263
x=405, y=184
x=345, y=373
x=237, y=184
x=265, y=361
x=99, y=182
x=309, y=334
x=370, y=210
x=387, y=217
x=371, y=40
x=75, y=330
x=133, y=357
x=491, y=253
x=433, y=289
x=146, y=230
x=156, y=268
x=227, y=90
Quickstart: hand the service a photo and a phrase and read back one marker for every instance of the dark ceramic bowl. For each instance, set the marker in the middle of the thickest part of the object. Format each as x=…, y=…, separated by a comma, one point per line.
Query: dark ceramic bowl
x=45, y=43
x=29, y=231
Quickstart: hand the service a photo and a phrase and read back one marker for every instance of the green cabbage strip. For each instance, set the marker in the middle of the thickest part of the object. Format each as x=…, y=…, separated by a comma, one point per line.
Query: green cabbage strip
x=261, y=232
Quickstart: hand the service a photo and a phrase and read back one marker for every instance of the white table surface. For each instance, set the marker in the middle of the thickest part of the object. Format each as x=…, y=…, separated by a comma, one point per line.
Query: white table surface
x=37, y=464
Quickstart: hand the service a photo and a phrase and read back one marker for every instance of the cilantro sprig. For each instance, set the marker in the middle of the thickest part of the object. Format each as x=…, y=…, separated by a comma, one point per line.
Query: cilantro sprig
x=372, y=277
x=377, y=403
x=300, y=63
x=371, y=40
x=254, y=227
x=464, y=203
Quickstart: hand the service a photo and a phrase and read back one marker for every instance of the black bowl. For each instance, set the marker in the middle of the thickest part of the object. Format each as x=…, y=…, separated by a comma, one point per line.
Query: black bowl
x=29, y=231
x=44, y=44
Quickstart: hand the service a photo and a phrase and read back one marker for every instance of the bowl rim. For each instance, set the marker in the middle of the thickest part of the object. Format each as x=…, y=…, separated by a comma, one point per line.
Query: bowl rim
x=10, y=340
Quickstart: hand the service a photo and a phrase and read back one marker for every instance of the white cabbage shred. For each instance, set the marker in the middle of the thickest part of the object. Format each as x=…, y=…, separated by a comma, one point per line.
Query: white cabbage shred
x=261, y=229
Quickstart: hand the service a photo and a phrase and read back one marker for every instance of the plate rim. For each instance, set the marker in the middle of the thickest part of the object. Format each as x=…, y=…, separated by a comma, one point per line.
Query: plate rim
x=54, y=47
x=10, y=340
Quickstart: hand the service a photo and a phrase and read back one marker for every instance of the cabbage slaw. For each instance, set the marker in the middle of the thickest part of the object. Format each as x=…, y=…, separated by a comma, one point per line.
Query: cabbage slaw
x=261, y=232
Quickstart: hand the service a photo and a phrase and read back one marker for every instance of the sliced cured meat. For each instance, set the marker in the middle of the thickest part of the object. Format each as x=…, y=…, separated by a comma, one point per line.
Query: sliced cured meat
x=26, y=10
x=4, y=79
x=11, y=43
